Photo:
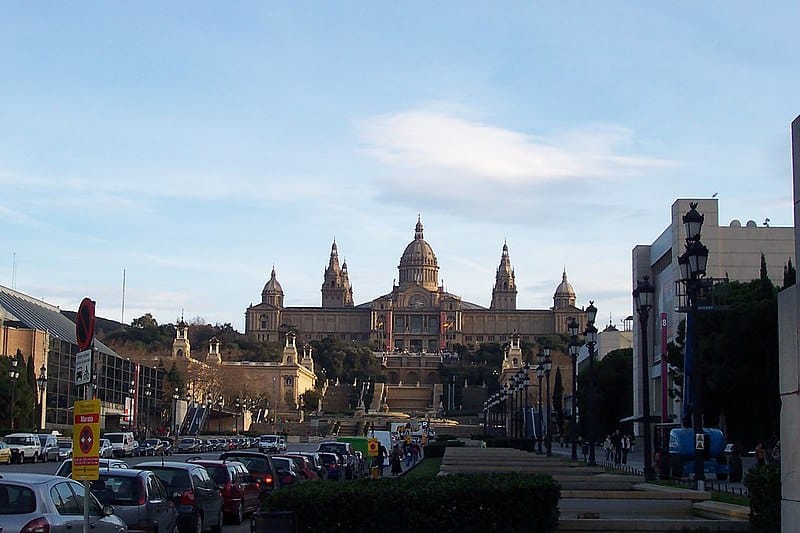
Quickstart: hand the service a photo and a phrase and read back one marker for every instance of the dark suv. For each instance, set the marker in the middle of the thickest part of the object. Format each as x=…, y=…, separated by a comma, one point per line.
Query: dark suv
x=260, y=466
x=345, y=452
x=195, y=494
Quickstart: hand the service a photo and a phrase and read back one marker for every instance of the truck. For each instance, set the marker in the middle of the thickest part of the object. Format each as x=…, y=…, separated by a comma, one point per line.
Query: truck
x=682, y=448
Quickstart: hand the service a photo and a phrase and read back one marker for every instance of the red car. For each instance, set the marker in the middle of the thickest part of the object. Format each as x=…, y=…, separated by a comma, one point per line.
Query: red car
x=302, y=465
x=240, y=492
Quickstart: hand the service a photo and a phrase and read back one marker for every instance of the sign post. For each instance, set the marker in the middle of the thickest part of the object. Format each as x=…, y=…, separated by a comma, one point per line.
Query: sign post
x=86, y=424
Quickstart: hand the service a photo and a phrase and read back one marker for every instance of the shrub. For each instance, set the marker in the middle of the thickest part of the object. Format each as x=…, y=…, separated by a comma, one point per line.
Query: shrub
x=764, y=485
x=437, y=449
x=481, y=502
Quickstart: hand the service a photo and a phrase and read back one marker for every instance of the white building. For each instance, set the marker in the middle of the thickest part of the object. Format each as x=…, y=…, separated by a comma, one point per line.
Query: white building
x=734, y=252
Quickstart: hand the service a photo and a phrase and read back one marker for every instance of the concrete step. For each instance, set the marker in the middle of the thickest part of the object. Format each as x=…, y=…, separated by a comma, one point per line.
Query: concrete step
x=631, y=495
x=644, y=525
x=720, y=510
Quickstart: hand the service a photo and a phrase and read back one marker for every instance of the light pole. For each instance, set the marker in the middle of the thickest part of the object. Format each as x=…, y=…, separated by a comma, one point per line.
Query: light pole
x=574, y=348
x=175, y=397
x=692, y=265
x=132, y=412
x=147, y=393
x=13, y=373
x=41, y=383
x=540, y=375
x=220, y=403
x=548, y=364
x=238, y=406
x=526, y=381
x=591, y=340
x=643, y=296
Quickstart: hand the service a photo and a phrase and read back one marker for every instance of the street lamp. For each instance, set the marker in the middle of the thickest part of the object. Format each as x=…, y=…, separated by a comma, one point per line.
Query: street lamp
x=643, y=296
x=548, y=364
x=591, y=340
x=540, y=375
x=692, y=265
x=238, y=406
x=526, y=381
x=220, y=403
x=574, y=349
x=41, y=383
x=147, y=393
x=175, y=397
x=13, y=373
x=132, y=396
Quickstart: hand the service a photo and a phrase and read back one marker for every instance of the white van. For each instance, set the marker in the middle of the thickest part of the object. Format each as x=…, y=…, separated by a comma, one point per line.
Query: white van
x=121, y=443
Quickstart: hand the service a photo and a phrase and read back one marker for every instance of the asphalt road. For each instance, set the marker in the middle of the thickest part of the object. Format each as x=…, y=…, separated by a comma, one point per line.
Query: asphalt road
x=50, y=468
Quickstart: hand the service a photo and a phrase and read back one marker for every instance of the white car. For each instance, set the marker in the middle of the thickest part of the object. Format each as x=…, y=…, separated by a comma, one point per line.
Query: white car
x=24, y=447
x=105, y=449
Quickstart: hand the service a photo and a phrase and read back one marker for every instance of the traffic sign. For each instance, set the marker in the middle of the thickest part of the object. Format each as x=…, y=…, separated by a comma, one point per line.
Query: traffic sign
x=83, y=367
x=86, y=440
x=372, y=447
x=84, y=324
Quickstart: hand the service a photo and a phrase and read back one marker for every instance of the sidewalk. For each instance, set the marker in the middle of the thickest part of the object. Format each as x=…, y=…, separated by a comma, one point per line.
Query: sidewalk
x=635, y=464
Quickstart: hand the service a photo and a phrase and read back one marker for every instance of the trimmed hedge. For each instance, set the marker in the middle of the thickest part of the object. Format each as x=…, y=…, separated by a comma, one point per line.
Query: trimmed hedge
x=764, y=485
x=481, y=502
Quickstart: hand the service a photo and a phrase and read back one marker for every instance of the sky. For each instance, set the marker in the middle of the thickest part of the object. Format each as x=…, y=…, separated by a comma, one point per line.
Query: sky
x=187, y=148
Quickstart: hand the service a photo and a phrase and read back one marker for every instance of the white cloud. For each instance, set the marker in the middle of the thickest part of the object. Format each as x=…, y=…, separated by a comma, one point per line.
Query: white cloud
x=442, y=148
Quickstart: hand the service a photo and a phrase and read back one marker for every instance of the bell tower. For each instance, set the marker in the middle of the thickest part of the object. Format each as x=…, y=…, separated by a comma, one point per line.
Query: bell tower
x=181, y=348
x=504, y=293
x=336, y=290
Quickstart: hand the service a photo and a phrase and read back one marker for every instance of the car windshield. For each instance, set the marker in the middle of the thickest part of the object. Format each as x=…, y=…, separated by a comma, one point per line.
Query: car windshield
x=269, y=438
x=172, y=478
x=331, y=447
x=187, y=441
x=43, y=439
x=283, y=463
x=327, y=458
x=16, y=440
x=65, y=445
x=16, y=499
x=253, y=464
x=115, y=438
x=116, y=490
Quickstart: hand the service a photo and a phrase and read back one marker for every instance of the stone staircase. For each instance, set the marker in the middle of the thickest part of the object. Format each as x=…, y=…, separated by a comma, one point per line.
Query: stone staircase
x=337, y=399
x=593, y=500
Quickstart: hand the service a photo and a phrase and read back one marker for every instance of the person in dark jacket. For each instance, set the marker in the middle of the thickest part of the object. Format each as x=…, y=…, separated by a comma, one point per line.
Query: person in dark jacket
x=394, y=461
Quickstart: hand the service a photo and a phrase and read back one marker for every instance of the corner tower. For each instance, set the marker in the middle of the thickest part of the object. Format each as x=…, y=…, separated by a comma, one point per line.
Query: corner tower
x=504, y=293
x=336, y=289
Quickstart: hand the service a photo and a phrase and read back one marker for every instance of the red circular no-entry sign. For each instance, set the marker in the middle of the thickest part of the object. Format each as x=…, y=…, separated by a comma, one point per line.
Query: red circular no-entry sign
x=84, y=324
x=86, y=439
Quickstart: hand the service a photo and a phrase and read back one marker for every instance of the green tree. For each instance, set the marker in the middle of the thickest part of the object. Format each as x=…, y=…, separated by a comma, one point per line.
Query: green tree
x=310, y=400
x=613, y=394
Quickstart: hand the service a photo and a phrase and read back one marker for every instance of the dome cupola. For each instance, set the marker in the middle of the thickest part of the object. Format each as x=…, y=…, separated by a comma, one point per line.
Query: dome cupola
x=418, y=265
x=273, y=292
x=565, y=294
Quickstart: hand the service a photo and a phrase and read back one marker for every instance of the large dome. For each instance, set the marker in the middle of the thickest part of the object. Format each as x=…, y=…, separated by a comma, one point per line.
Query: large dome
x=418, y=263
x=565, y=294
x=272, y=286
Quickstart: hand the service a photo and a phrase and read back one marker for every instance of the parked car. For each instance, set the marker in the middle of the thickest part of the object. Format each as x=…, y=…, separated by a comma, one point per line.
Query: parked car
x=345, y=451
x=332, y=464
x=105, y=449
x=156, y=445
x=138, y=497
x=288, y=472
x=169, y=446
x=24, y=447
x=49, y=445
x=240, y=491
x=314, y=462
x=64, y=449
x=189, y=445
x=260, y=466
x=303, y=466
x=45, y=503
x=5, y=453
x=281, y=443
x=144, y=449
x=195, y=494
x=122, y=441
x=65, y=468
x=268, y=443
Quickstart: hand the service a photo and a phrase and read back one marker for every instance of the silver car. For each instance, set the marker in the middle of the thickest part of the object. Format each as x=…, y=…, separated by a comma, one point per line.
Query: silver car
x=40, y=502
x=139, y=499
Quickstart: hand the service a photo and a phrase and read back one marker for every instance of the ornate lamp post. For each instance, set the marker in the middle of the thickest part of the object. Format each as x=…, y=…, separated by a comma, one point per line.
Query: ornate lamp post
x=175, y=397
x=132, y=396
x=692, y=265
x=591, y=340
x=526, y=381
x=13, y=374
x=540, y=375
x=574, y=348
x=548, y=364
x=238, y=406
x=41, y=383
x=147, y=393
x=220, y=403
x=643, y=296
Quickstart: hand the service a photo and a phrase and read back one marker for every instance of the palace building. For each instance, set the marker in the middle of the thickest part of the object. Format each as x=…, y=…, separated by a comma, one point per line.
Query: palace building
x=418, y=315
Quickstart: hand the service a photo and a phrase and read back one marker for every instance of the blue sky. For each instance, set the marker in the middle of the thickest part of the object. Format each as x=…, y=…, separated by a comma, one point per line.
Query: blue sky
x=194, y=145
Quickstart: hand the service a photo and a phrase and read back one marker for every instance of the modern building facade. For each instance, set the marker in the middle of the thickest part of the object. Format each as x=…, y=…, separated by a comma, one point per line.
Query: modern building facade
x=418, y=315
x=129, y=393
x=734, y=253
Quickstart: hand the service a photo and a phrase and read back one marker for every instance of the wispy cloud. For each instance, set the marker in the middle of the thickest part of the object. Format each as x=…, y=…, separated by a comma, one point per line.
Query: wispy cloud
x=475, y=152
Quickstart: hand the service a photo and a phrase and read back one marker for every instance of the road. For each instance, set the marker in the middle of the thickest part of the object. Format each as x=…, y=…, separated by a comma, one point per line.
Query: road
x=50, y=468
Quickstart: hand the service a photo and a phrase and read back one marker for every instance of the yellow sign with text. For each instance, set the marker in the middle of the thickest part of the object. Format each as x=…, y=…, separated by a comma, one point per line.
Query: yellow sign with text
x=86, y=441
x=372, y=447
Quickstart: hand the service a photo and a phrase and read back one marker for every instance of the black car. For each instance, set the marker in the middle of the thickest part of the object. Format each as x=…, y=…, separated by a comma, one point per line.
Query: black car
x=168, y=445
x=197, y=497
x=138, y=498
x=260, y=466
x=157, y=445
x=145, y=449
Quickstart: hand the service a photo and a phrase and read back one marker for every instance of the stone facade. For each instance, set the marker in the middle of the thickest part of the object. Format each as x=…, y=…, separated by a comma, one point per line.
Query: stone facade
x=418, y=315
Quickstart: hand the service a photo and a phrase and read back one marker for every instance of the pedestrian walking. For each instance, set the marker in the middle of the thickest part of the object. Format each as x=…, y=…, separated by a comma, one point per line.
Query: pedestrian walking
x=761, y=455
x=394, y=462
x=607, y=447
x=616, y=447
x=626, y=448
